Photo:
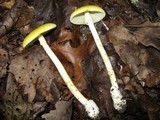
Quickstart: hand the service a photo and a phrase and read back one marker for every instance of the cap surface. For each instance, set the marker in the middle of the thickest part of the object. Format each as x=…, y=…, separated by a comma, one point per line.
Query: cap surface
x=78, y=16
x=41, y=30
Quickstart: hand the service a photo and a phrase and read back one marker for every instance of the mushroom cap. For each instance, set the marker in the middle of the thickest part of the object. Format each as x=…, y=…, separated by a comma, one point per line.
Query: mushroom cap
x=41, y=30
x=78, y=16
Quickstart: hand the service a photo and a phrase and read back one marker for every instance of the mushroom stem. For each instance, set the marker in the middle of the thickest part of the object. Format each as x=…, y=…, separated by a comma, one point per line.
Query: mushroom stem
x=90, y=106
x=118, y=101
x=101, y=49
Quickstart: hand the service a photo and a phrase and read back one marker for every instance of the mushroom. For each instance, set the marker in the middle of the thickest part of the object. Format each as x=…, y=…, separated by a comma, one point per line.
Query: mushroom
x=88, y=15
x=90, y=106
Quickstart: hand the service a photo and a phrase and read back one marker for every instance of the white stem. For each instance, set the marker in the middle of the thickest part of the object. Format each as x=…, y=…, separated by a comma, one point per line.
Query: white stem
x=90, y=106
x=107, y=63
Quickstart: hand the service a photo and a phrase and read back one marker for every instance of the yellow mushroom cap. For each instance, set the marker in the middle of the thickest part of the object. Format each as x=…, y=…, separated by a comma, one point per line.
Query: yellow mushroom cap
x=41, y=30
x=78, y=17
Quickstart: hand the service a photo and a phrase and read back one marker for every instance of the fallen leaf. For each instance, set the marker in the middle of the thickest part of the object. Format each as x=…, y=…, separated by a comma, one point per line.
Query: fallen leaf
x=63, y=111
x=15, y=107
x=140, y=59
x=11, y=17
x=3, y=60
x=149, y=37
x=70, y=47
x=30, y=72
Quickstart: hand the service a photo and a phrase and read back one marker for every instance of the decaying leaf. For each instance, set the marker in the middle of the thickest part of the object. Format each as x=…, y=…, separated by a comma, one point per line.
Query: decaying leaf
x=140, y=59
x=63, y=111
x=7, y=4
x=27, y=15
x=70, y=47
x=11, y=18
x=149, y=37
x=14, y=106
x=3, y=61
x=30, y=85
x=30, y=71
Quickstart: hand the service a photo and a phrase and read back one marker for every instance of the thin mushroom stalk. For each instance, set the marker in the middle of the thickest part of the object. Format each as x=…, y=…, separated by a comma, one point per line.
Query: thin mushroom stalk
x=115, y=93
x=90, y=106
x=89, y=15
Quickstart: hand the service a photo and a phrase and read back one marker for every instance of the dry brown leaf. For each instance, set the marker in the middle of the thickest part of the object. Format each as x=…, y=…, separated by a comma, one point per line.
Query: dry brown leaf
x=149, y=36
x=68, y=45
x=63, y=111
x=140, y=59
x=15, y=107
x=98, y=86
x=7, y=4
x=3, y=61
x=10, y=19
x=30, y=70
x=27, y=15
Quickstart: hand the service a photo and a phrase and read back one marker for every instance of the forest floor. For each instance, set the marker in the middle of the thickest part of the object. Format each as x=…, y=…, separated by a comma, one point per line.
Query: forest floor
x=31, y=88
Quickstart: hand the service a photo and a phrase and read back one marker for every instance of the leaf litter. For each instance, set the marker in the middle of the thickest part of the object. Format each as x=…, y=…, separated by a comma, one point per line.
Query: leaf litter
x=31, y=87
